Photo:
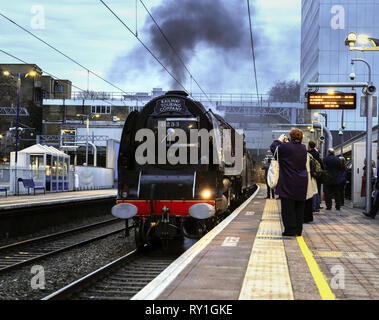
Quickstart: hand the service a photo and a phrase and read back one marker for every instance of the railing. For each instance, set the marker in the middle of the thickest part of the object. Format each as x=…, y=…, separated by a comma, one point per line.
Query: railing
x=145, y=96
x=69, y=140
x=212, y=97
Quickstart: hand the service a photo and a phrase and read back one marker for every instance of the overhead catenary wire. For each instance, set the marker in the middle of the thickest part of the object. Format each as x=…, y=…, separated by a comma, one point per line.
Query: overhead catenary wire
x=62, y=53
x=144, y=45
x=49, y=74
x=252, y=48
x=192, y=78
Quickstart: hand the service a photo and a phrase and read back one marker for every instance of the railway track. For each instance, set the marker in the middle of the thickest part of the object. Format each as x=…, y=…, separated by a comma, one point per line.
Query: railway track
x=23, y=252
x=118, y=280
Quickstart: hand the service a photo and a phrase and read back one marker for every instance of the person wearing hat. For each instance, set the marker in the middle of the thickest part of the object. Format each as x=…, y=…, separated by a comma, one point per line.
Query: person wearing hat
x=333, y=166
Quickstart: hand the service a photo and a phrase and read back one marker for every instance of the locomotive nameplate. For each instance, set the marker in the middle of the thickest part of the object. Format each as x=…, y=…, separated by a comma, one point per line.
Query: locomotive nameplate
x=170, y=105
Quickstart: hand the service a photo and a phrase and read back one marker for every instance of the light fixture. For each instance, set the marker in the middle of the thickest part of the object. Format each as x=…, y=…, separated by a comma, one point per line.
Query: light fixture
x=206, y=194
x=351, y=39
x=331, y=91
x=6, y=73
x=363, y=39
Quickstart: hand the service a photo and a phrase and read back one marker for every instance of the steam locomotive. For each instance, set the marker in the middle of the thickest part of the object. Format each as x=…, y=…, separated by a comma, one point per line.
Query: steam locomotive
x=174, y=178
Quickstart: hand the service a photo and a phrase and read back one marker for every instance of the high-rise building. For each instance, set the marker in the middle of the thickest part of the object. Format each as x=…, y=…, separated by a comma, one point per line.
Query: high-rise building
x=324, y=56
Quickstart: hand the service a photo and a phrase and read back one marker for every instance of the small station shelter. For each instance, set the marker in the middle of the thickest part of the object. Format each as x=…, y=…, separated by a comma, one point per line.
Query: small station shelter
x=46, y=165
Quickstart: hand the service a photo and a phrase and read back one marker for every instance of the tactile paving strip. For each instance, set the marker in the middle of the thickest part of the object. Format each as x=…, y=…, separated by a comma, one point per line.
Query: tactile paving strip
x=267, y=276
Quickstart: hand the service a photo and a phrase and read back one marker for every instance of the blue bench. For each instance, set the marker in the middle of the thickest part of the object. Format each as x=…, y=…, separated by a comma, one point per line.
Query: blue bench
x=4, y=189
x=29, y=184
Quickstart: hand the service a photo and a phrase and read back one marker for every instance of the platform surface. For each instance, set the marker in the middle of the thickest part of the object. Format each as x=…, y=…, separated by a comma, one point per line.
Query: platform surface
x=247, y=258
x=40, y=199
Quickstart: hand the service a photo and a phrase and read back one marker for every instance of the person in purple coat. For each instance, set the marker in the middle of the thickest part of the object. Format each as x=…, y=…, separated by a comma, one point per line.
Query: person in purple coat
x=293, y=180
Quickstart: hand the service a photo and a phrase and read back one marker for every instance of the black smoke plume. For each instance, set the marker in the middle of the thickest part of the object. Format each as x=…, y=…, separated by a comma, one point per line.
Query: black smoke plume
x=191, y=26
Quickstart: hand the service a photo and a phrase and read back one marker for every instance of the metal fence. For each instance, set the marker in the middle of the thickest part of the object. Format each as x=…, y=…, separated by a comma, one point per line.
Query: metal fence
x=77, y=178
x=9, y=179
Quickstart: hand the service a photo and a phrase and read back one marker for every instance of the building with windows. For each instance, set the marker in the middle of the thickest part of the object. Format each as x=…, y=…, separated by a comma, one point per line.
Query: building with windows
x=324, y=56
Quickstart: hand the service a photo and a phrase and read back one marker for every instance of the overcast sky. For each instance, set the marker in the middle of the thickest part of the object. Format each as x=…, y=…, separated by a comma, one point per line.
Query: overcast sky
x=87, y=32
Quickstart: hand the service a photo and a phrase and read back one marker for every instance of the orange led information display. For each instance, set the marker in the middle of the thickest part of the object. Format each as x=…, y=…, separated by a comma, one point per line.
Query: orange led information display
x=338, y=101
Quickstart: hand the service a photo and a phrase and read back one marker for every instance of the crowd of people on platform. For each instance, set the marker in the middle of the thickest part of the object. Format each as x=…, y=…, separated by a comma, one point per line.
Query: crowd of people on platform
x=301, y=174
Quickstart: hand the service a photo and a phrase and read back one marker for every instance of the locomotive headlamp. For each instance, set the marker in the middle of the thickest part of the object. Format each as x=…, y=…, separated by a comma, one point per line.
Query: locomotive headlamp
x=206, y=194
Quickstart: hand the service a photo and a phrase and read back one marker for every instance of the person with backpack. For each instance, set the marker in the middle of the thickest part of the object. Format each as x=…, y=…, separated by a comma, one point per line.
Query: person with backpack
x=316, y=200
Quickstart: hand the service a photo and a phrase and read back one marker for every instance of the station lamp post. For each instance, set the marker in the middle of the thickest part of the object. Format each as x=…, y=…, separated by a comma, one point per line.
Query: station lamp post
x=351, y=40
x=368, y=135
x=368, y=90
x=87, y=116
x=322, y=138
x=18, y=75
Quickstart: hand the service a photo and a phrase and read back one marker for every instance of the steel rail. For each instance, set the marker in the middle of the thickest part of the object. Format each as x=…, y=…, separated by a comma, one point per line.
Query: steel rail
x=86, y=280
x=32, y=254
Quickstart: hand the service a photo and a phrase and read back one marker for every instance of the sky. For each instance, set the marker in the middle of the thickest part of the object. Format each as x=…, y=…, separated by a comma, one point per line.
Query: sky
x=214, y=42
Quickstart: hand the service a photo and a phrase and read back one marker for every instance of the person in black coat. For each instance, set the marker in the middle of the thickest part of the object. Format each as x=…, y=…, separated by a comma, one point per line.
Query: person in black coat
x=333, y=166
x=293, y=181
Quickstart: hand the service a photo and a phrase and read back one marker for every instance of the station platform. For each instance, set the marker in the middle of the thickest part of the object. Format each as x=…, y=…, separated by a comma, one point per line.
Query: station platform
x=246, y=258
x=40, y=199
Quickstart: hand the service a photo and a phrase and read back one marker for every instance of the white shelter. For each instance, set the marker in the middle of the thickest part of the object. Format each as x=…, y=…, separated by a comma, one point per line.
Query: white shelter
x=46, y=165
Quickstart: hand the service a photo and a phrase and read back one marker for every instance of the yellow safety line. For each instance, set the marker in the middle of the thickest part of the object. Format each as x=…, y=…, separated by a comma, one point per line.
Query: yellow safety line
x=319, y=278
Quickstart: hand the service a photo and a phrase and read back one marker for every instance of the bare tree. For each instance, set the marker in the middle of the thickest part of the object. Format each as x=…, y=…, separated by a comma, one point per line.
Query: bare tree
x=93, y=95
x=285, y=91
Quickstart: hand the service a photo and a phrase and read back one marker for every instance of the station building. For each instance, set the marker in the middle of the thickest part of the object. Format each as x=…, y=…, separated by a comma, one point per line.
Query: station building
x=33, y=90
x=325, y=57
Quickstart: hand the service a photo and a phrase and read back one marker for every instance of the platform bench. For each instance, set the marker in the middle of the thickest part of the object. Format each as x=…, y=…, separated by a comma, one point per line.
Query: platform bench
x=4, y=189
x=29, y=184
